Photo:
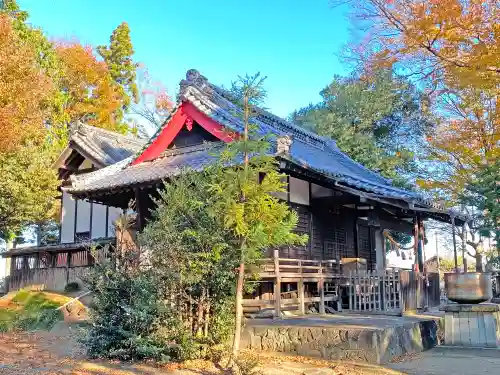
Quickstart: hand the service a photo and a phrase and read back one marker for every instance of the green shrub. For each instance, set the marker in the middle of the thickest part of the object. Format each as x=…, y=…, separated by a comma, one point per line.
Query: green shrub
x=124, y=311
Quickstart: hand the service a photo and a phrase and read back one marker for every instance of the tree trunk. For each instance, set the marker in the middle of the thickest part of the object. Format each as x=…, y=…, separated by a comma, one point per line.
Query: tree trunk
x=239, y=310
x=479, y=262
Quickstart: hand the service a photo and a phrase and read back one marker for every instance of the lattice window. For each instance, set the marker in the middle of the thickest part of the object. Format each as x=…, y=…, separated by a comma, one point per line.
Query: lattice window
x=336, y=246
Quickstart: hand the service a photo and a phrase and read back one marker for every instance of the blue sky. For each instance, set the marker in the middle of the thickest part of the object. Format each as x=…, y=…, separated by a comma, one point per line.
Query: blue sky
x=294, y=43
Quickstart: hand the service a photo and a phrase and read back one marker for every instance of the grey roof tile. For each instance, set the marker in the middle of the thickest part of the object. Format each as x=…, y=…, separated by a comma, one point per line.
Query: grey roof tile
x=104, y=146
x=308, y=149
x=171, y=163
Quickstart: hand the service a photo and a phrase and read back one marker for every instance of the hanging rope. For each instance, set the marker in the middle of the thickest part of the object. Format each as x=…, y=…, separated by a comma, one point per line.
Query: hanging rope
x=393, y=245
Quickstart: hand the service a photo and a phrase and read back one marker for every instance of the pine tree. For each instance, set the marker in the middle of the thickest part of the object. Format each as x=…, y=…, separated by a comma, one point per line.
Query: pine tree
x=118, y=57
x=243, y=196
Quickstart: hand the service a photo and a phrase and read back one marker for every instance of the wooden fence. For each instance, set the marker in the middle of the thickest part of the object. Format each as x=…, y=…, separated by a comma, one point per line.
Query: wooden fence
x=373, y=291
x=420, y=291
x=46, y=278
x=51, y=271
x=392, y=292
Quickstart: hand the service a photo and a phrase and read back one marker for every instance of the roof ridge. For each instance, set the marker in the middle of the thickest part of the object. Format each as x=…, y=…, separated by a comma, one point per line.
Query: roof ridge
x=184, y=150
x=83, y=128
x=195, y=79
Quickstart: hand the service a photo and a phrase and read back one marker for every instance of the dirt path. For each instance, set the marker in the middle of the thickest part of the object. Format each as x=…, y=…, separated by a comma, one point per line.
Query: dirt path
x=58, y=353
x=456, y=361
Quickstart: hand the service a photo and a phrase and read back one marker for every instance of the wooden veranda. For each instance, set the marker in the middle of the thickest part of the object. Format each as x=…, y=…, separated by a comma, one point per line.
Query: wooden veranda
x=329, y=285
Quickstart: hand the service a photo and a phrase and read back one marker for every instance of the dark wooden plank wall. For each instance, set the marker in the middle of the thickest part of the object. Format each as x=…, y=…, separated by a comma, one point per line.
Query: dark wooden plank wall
x=366, y=245
x=415, y=291
x=331, y=235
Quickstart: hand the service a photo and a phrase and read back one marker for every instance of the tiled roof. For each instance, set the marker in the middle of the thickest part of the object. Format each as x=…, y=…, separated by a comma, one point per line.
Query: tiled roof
x=58, y=247
x=103, y=146
x=122, y=174
x=308, y=150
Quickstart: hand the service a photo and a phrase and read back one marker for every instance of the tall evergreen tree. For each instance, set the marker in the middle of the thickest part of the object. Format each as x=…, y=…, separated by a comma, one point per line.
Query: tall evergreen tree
x=378, y=120
x=121, y=66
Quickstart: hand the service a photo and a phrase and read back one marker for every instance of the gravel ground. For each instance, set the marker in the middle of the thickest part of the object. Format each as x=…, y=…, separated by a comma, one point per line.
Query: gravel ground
x=455, y=361
x=57, y=353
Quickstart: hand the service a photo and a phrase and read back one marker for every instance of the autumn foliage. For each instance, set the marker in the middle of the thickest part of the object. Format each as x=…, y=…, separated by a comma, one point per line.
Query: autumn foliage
x=88, y=91
x=451, y=41
x=24, y=90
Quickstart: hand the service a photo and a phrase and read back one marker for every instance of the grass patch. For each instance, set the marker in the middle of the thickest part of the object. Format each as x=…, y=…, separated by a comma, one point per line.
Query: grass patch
x=28, y=311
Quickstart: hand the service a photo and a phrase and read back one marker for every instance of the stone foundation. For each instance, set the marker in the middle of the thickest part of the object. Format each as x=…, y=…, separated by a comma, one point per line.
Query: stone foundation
x=372, y=345
x=472, y=325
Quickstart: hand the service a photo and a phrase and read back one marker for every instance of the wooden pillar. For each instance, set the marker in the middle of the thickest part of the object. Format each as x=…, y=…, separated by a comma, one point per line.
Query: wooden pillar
x=438, y=260
x=13, y=261
x=139, y=208
x=356, y=242
x=300, y=290
x=421, y=230
x=321, y=290
x=68, y=265
x=415, y=241
x=454, y=242
x=464, y=244
x=277, y=285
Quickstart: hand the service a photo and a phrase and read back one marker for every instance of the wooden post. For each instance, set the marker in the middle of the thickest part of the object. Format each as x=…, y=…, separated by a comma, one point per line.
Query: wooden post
x=277, y=285
x=300, y=291
x=438, y=260
x=321, y=289
x=139, y=209
x=351, y=291
x=464, y=243
x=415, y=241
x=422, y=243
x=300, y=287
x=383, y=298
x=454, y=243
x=400, y=291
x=68, y=265
x=356, y=244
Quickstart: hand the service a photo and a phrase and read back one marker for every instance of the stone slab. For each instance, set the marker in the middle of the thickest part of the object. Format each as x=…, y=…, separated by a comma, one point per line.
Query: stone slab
x=335, y=339
x=480, y=307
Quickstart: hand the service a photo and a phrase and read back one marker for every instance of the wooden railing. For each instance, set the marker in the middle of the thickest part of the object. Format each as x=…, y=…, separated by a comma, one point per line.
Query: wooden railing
x=54, y=278
x=293, y=269
x=392, y=291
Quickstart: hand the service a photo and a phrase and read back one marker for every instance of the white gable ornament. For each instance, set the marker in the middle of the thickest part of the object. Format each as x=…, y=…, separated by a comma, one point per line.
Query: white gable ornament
x=283, y=145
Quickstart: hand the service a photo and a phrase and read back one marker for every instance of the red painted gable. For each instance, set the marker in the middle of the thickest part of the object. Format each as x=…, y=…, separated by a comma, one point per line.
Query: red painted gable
x=185, y=115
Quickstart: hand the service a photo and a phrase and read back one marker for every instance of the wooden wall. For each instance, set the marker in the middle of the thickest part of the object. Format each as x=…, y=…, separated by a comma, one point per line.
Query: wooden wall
x=54, y=279
x=331, y=235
